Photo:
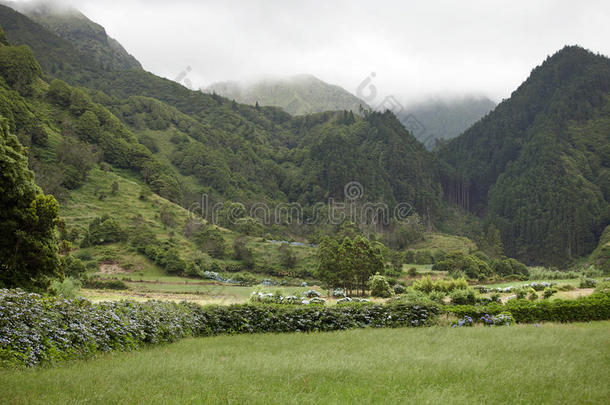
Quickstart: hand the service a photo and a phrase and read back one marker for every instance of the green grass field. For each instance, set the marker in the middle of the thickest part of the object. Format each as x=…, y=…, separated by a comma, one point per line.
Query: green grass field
x=550, y=364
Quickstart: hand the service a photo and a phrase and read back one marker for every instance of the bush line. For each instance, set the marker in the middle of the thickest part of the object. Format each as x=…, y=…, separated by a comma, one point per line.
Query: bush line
x=40, y=330
x=593, y=308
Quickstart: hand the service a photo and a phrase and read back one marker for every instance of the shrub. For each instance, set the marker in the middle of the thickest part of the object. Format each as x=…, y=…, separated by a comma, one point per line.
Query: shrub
x=379, y=286
x=458, y=263
x=287, y=257
x=502, y=319
x=73, y=267
x=507, y=266
x=212, y=242
x=549, y=291
x=424, y=257
x=66, y=288
x=37, y=330
x=437, y=296
x=602, y=288
x=100, y=284
x=585, y=309
x=104, y=230
x=412, y=272
x=242, y=252
x=399, y=289
x=587, y=283
x=464, y=322
x=532, y=295
x=463, y=296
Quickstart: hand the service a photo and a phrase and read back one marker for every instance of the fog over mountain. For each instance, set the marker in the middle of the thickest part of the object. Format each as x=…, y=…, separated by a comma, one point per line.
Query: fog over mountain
x=415, y=50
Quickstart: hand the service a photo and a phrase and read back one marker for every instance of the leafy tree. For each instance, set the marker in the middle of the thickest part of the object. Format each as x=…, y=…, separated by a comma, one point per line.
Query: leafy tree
x=76, y=160
x=73, y=267
x=349, y=264
x=104, y=230
x=59, y=93
x=287, y=257
x=328, y=262
x=379, y=286
x=28, y=222
x=87, y=127
x=242, y=252
x=458, y=263
x=19, y=67
x=212, y=242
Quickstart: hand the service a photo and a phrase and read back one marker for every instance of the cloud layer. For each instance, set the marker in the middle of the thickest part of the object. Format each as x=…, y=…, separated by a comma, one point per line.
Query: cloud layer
x=416, y=48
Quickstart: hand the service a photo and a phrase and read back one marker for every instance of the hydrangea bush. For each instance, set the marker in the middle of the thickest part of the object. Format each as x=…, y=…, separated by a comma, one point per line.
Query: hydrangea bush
x=35, y=329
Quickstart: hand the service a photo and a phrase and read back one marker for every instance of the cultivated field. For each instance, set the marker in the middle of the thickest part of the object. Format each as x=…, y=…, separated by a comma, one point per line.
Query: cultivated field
x=546, y=364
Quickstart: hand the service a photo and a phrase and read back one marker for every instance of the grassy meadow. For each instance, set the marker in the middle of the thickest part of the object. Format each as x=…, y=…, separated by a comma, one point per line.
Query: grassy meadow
x=547, y=364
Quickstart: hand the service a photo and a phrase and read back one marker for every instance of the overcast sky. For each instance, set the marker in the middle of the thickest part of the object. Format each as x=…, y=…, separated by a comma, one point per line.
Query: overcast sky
x=415, y=48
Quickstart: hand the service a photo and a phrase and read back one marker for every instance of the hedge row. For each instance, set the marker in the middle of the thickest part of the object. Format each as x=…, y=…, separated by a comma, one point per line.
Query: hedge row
x=36, y=329
x=593, y=308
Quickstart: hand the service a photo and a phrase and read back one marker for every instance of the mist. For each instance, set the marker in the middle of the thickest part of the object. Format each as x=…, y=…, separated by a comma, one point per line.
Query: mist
x=411, y=50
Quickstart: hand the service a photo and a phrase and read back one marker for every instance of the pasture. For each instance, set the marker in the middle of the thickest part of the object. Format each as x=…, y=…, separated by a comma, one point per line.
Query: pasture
x=546, y=364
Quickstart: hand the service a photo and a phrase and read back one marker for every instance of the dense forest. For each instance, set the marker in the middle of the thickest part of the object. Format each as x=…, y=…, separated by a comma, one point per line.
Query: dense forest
x=537, y=165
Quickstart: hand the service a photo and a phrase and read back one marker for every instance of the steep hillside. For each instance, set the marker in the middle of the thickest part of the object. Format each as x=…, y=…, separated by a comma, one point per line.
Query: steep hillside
x=444, y=119
x=298, y=95
x=88, y=37
x=246, y=153
x=82, y=154
x=538, y=164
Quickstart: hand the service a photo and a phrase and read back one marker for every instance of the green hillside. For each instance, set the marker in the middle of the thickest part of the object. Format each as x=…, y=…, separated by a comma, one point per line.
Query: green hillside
x=545, y=147
x=298, y=95
x=88, y=37
x=537, y=165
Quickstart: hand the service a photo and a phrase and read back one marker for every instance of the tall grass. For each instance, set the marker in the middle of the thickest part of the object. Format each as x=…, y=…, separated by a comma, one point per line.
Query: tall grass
x=521, y=364
x=541, y=273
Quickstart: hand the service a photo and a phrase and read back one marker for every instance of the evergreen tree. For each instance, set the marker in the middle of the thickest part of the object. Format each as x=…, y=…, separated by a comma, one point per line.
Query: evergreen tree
x=28, y=220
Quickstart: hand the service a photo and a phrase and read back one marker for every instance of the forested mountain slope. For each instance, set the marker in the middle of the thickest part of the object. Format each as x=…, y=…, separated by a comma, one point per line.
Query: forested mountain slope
x=538, y=165
x=88, y=37
x=244, y=152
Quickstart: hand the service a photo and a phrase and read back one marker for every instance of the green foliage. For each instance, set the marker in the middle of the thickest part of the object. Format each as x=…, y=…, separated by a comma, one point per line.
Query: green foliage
x=505, y=266
x=287, y=257
x=242, y=252
x=211, y=241
x=127, y=325
x=104, y=230
x=549, y=292
x=427, y=285
x=73, y=267
x=28, y=219
x=584, y=309
x=379, y=286
x=463, y=296
x=544, y=148
x=603, y=288
x=587, y=283
x=460, y=263
x=601, y=255
x=167, y=216
x=348, y=264
x=103, y=284
x=67, y=288
x=19, y=68
x=59, y=93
